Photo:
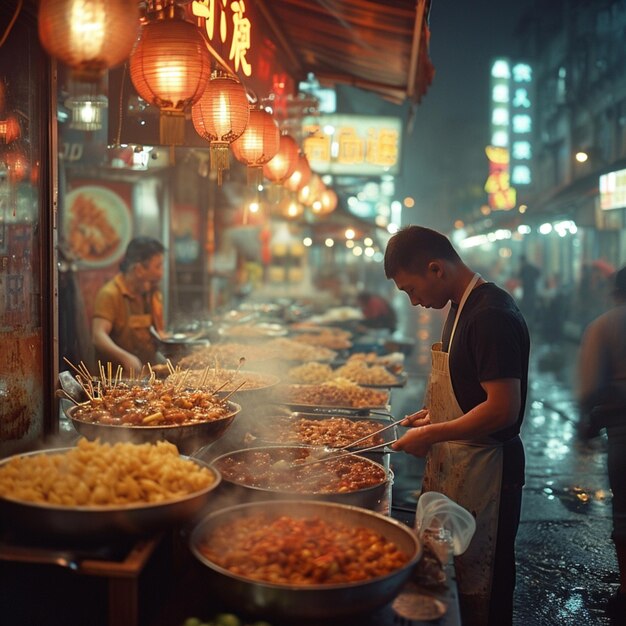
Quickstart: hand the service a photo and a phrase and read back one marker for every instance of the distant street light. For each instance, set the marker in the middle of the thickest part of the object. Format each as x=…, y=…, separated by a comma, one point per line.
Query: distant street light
x=581, y=156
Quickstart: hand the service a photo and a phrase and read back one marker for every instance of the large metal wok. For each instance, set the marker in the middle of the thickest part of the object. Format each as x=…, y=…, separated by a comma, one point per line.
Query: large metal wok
x=280, y=430
x=321, y=602
x=86, y=522
x=187, y=437
x=232, y=490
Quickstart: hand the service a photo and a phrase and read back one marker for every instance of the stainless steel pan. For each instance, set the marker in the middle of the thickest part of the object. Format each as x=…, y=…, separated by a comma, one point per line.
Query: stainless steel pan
x=187, y=438
x=321, y=602
x=371, y=497
x=83, y=522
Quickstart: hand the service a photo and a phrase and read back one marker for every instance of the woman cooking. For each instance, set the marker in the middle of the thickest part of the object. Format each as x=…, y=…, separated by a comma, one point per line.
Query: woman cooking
x=128, y=305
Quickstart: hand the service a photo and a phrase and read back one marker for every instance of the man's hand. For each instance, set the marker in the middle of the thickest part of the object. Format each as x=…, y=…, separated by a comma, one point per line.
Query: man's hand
x=416, y=441
x=420, y=418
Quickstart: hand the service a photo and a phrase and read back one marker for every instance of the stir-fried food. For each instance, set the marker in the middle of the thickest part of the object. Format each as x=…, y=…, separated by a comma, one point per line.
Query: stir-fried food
x=160, y=403
x=307, y=551
x=356, y=371
x=95, y=474
x=334, y=432
x=281, y=469
x=338, y=392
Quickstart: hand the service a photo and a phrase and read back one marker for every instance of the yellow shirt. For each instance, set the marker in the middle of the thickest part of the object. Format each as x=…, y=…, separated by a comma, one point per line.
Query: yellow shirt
x=131, y=316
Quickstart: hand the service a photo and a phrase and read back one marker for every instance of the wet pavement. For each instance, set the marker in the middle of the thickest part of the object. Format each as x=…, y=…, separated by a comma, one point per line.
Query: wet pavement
x=566, y=564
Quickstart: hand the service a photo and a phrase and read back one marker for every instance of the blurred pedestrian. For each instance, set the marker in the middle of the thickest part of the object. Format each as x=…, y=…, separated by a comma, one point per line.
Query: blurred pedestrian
x=529, y=278
x=377, y=312
x=128, y=305
x=469, y=428
x=602, y=401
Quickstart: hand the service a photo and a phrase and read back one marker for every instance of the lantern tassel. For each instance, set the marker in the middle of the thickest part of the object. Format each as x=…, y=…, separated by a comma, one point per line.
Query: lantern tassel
x=255, y=176
x=219, y=159
x=172, y=128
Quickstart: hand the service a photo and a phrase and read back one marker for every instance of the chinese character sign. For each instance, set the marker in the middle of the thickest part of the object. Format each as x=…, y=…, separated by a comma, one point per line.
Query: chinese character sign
x=226, y=23
x=353, y=144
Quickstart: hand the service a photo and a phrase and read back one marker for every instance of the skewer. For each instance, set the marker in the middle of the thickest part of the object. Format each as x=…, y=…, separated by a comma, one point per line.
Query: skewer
x=233, y=391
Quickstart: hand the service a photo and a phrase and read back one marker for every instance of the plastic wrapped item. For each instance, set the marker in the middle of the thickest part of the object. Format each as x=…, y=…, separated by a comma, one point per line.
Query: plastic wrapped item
x=439, y=516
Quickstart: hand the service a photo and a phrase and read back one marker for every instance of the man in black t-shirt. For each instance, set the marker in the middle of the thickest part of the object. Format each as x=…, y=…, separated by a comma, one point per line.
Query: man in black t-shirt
x=469, y=428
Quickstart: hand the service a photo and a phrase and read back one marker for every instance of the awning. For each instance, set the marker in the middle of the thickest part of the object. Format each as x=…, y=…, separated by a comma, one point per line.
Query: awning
x=381, y=47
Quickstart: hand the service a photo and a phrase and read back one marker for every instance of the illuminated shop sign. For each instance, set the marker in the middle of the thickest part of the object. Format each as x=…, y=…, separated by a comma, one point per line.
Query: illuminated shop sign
x=613, y=190
x=353, y=144
x=228, y=23
x=521, y=125
x=501, y=195
x=511, y=132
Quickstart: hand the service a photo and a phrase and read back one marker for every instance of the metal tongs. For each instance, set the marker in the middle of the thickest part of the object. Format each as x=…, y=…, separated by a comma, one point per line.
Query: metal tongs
x=344, y=450
x=368, y=436
x=339, y=453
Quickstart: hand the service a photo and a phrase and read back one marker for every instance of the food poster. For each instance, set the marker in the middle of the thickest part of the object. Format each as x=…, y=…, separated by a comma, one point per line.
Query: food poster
x=95, y=227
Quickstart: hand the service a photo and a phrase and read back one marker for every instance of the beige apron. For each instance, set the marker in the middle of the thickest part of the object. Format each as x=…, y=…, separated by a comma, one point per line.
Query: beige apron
x=468, y=472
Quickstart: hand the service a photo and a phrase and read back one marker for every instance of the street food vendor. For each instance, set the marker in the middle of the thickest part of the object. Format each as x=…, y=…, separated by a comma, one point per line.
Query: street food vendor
x=126, y=307
x=469, y=428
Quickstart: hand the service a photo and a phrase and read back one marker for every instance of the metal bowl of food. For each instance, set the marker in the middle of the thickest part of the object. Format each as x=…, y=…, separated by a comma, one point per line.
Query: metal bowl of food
x=97, y=490
x=292, y=588
x=271, y=472
x=187, y=418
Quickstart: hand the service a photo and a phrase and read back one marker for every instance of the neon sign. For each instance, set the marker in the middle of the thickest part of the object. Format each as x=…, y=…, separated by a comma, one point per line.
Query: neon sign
x=230, y=24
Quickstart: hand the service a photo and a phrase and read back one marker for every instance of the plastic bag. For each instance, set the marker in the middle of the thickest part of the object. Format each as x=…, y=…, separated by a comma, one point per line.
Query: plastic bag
x=436, y=512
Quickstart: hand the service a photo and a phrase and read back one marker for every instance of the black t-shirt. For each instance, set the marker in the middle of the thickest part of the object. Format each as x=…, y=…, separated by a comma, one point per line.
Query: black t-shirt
x=491, y=342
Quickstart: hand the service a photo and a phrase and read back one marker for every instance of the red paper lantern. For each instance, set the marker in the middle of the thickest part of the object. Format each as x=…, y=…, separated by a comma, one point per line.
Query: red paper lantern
x=220, y=116
x=311, y=192
x=326, y=204
x=281, y=167
x=170, y=68
x=301, y=175
x=258, y=144
x=89, y=36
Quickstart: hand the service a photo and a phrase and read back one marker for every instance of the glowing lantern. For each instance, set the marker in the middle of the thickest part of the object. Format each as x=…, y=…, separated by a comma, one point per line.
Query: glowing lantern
x=311, y=191
x=326, y=203
x=291, y=209
x=10, y=129
x=301, y=175
x=220, y=116
x=284, y=162
x=89, y=36
x=170, y=68
x=258, y=144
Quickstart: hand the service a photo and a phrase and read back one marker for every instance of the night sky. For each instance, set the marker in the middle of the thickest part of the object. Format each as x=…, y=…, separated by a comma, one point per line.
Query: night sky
x=445, y=150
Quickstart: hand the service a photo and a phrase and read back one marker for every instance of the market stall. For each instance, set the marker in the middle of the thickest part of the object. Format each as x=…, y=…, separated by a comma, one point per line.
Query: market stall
x=323, y=445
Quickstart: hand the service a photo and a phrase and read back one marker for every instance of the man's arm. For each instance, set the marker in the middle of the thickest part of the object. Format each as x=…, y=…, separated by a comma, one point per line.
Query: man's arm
x=101, y=338
x=499, y=410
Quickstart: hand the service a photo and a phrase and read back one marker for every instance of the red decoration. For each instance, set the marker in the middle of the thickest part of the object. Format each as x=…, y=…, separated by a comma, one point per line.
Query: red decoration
x=170, y=68
x=301, y=175
x=220, y=116
x=284, y=162
x=89, y=36
x=258, y=144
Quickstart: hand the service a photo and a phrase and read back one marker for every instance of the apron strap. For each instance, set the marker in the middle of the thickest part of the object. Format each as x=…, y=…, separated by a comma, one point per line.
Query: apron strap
x=466, y=294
